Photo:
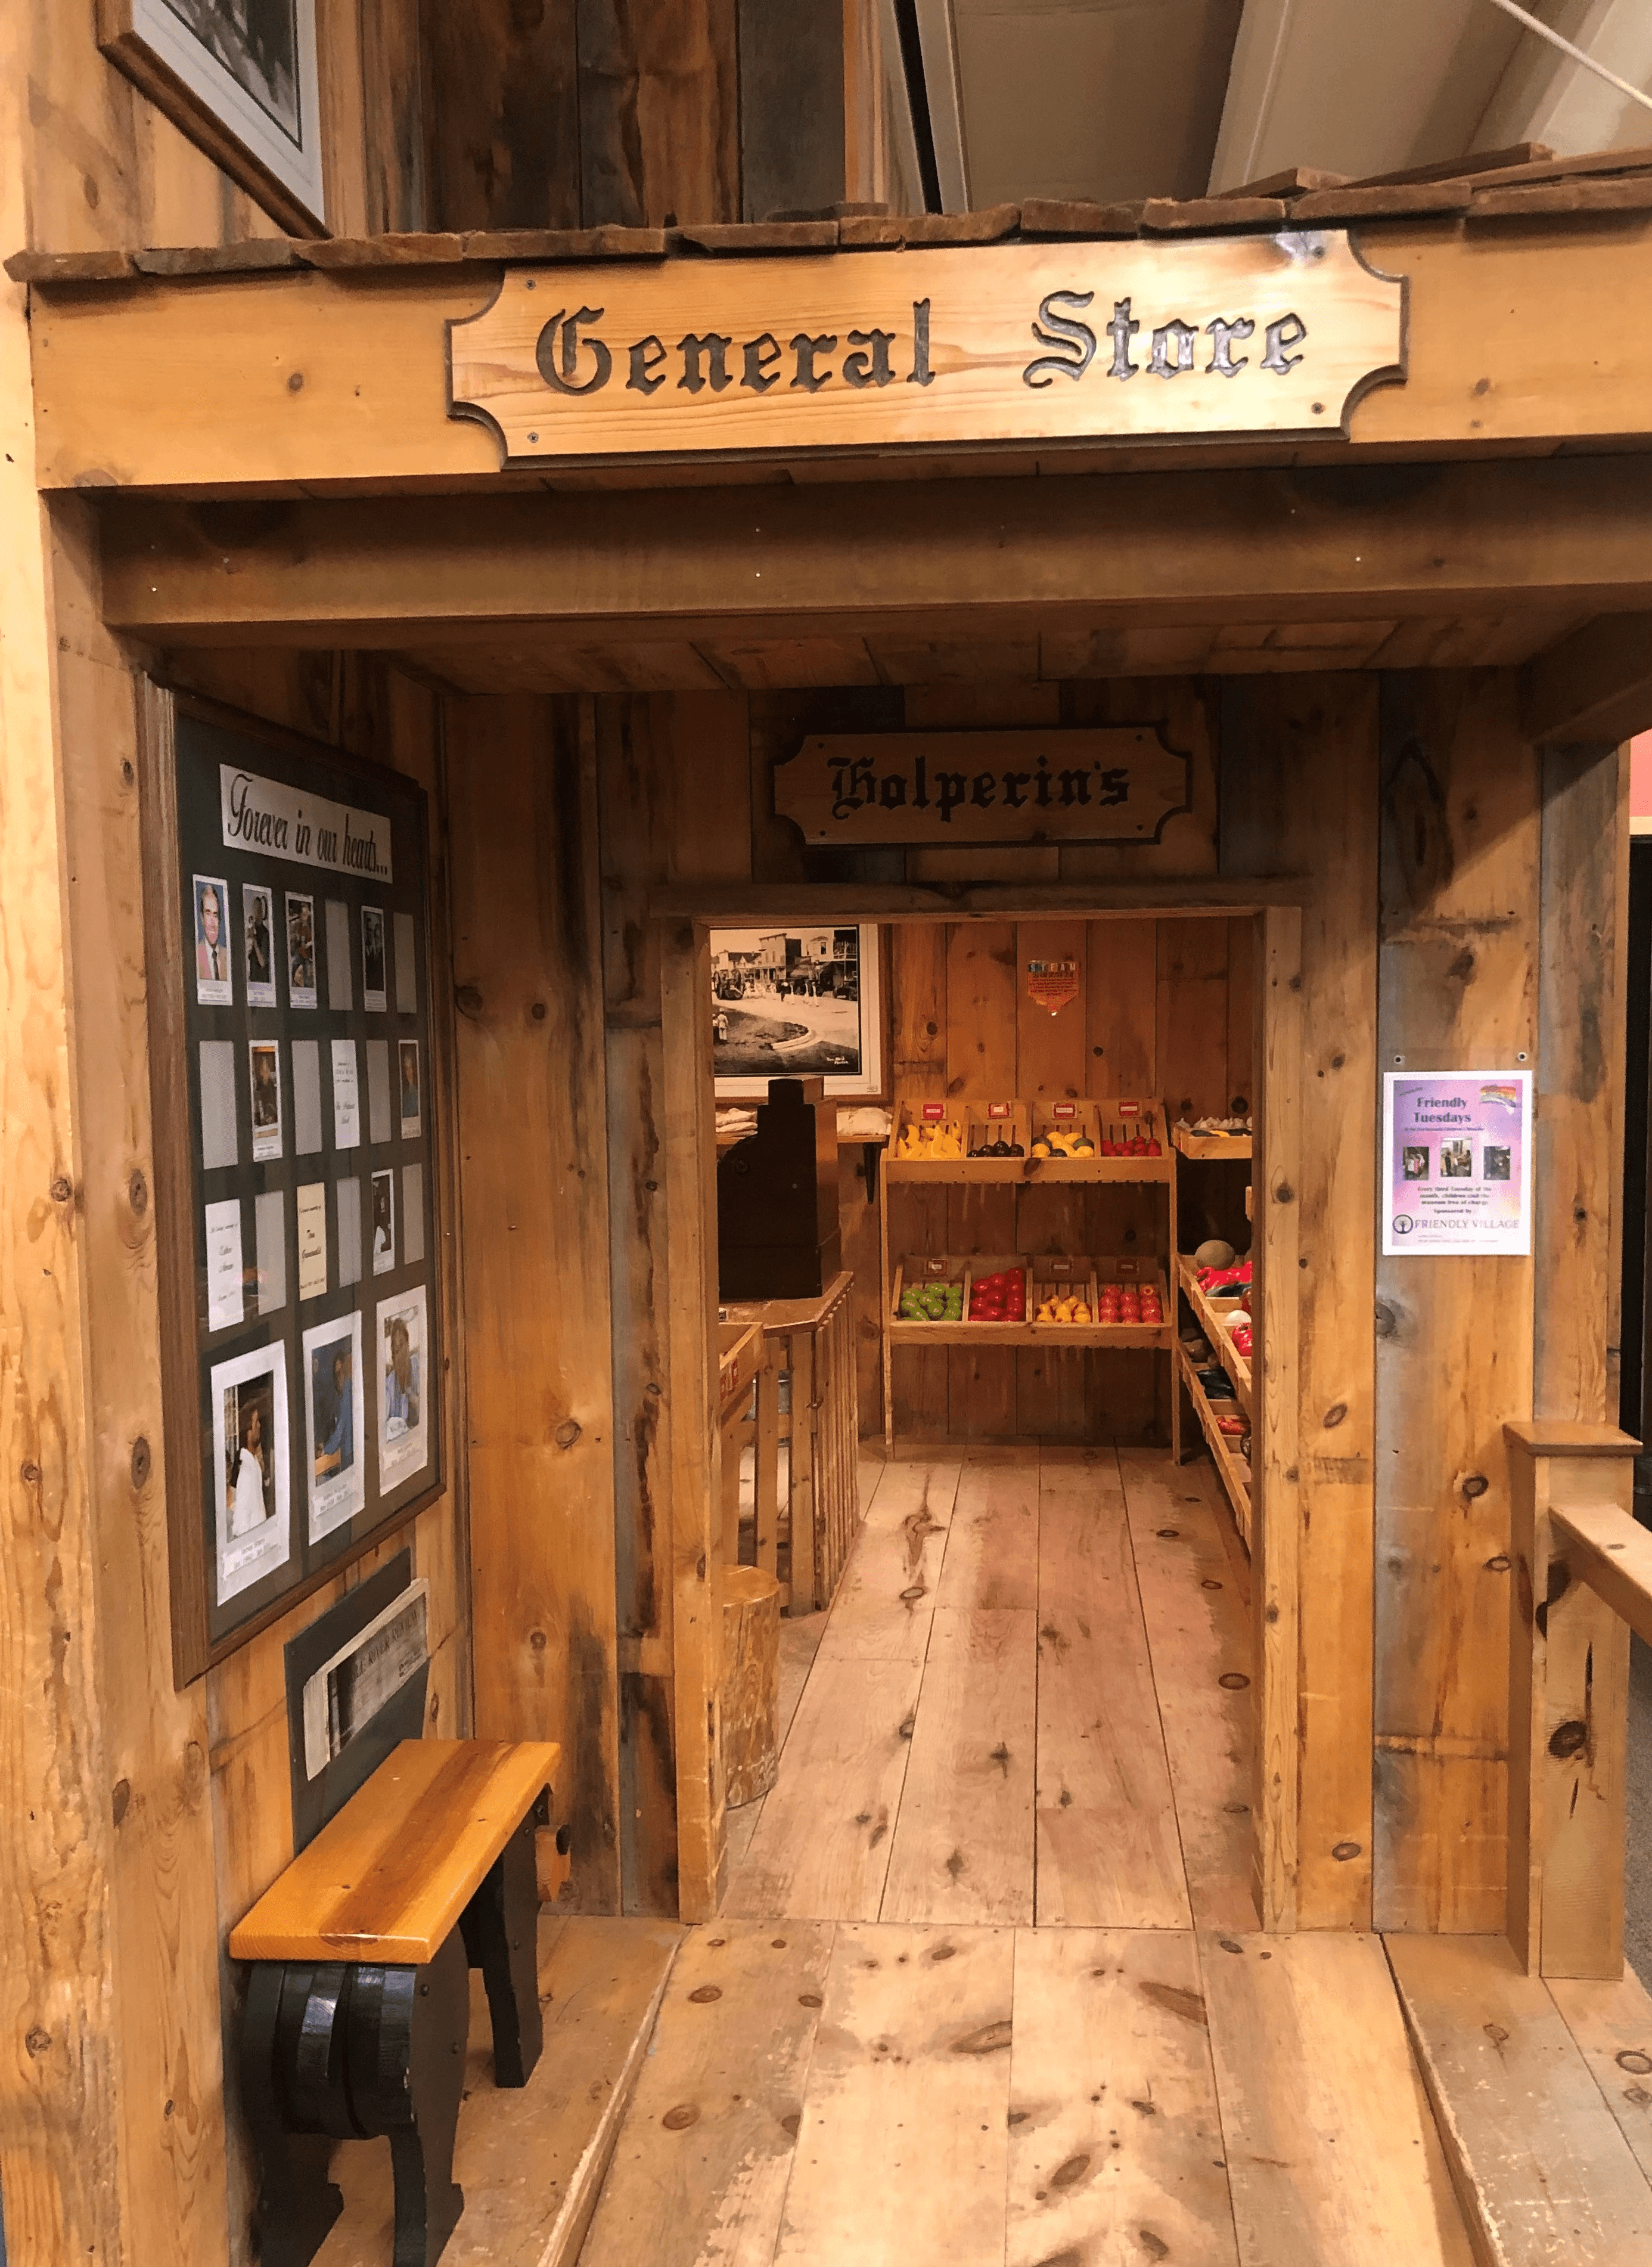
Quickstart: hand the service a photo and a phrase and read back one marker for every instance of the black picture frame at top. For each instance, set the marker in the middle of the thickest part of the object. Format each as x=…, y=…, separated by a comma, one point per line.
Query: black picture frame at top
x=253, y=1051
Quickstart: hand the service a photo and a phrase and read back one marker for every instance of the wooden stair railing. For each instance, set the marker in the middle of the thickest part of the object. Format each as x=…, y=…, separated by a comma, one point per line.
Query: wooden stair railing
x=1580, y=1581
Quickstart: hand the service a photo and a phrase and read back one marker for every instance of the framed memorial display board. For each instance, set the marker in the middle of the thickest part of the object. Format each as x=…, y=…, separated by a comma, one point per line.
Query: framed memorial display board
x=287, y=926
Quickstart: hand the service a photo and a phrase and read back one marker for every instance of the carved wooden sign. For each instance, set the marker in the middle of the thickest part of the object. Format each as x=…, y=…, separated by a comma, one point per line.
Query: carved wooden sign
x=1067, y=341
x=1115, y=783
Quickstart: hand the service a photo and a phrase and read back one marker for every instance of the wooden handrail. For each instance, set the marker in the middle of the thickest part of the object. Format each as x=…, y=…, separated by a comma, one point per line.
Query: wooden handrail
x=1612, y=1551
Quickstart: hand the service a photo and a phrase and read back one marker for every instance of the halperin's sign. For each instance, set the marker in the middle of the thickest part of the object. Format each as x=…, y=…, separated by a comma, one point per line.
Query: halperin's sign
x=1115, y=783
x=956, y=347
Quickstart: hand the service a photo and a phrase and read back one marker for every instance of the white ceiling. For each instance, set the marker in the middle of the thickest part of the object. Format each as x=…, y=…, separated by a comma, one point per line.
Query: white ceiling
x=1119, y=99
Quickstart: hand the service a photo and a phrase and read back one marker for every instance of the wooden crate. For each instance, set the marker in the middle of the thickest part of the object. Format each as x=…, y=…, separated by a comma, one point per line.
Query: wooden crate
x=1054, y=1275
x=916, y=1111
x=987, y=1263
x=923, y=1267
x=995, y=1121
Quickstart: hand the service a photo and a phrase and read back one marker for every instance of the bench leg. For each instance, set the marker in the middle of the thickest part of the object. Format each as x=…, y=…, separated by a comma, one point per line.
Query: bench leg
x=406, y=2064
x=501, y=1926
x=296, y=2203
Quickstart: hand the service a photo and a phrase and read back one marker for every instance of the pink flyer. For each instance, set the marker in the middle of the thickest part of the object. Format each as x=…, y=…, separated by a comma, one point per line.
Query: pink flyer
x=1458, y=1150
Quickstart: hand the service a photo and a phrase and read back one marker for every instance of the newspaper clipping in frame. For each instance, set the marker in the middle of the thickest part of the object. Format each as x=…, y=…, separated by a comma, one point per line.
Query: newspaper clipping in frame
x=1458, y=1172
x=252, y=1484
x=333, y=1427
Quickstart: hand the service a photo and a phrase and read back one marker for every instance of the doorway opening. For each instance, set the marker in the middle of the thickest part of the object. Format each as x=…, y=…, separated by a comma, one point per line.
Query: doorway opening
x=1032, y=1697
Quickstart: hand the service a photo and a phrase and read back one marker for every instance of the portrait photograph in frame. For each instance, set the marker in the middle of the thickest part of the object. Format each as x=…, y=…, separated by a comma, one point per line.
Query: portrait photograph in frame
x=242, y=79
x=799, y=1000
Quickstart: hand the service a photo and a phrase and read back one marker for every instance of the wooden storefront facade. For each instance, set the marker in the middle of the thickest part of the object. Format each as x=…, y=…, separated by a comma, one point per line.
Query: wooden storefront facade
x=1403, y=663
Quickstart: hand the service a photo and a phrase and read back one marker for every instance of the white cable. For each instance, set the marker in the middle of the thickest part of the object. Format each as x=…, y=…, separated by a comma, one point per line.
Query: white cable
x=1532, y=24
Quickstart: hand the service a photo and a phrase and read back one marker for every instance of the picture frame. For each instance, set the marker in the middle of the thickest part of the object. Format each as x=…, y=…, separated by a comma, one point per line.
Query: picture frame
x=800, y=999
x=301, y=1430
x=242, y=79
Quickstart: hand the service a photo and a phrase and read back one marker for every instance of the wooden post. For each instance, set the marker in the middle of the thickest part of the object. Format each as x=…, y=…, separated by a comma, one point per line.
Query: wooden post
x=766, y=1479
x=801, y=1491
x=1569, y=1701
x=1276, y=1504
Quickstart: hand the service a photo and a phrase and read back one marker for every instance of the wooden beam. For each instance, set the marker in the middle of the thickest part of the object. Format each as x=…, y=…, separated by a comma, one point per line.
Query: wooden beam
x=851, y=562
x=748, y=903
x=1594, y=684
x=1606, y=1547
x=307, y=379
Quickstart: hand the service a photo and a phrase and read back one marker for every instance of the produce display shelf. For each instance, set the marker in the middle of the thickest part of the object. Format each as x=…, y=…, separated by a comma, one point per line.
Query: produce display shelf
x=973, y=1172
x=1119, y=1336
x=1233, y=1470
x=1210, y=1145
x=1208, y=1317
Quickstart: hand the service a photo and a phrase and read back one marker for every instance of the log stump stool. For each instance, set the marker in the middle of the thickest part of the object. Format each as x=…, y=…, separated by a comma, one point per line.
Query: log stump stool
x=751, y=1683
x=358, y=2000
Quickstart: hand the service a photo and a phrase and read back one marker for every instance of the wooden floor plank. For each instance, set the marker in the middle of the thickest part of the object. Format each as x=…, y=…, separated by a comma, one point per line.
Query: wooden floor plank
x=902, y=2154
x=1109, y=1854
x=991, y=1560
x=821, y=1849
x=1612, y=2026
x=1197, y=1633
x=702, y=2166
x=1332, y=2156
x=887, y=1592
x=1116, y=2142
x=530, y=2161
x=963, y=1839
x=1531, y=2140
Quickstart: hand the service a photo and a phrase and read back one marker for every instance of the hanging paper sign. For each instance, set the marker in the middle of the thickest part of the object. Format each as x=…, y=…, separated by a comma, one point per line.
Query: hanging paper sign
x=1457, y=1147
x=1052, y=984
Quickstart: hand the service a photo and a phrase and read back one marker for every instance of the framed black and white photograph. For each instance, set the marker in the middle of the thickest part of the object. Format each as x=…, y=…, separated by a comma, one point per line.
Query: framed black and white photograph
x=799, y=1002
x=242, y=79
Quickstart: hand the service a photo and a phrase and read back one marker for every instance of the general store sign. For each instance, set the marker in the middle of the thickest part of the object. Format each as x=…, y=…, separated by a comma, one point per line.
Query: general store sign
x=954, y=347
x=1116, y=783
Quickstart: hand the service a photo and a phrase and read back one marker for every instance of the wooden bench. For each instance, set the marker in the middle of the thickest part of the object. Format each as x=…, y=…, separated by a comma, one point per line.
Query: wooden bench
x=358, y=2002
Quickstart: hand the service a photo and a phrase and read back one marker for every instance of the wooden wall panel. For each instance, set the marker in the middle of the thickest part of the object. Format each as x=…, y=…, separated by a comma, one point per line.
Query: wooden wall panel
x=1577, y=1178
x=107, y=168
x=504, y=123
x=1181, y=706
x=659, y=112
x=650, y=835
x=1299, y=774
x=533, y=1086
x=790, y=106
x=1459, y=881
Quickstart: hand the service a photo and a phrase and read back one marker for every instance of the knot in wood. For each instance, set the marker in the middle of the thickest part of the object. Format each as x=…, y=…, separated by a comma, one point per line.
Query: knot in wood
x=1168, y=1533
x=62, y=1189
x=1498, y=1566
x=37, y=2041
x=1633, y=2058
x=1475, y=1484
x=1335, y=1415
x=1233, y=1680
x=140, y=1462
x=567, y=1432
x=537, y=1640
x=120, y=1800
x=137, y=1191
x=1387, y=1321
x=679, y=2120
x=468, y=999
x=31, y=1473
x=705, y=1995
x=1345, y=1851
x=1569, y=1739
x=296, y=383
